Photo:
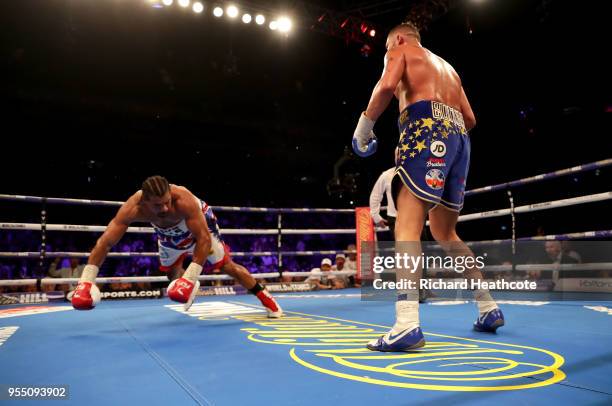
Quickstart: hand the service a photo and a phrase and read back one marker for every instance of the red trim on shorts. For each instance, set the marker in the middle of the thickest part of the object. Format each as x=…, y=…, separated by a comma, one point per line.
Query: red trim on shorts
x=180, y=259
x=219, y=264
x=207, y=268
x=185, y=243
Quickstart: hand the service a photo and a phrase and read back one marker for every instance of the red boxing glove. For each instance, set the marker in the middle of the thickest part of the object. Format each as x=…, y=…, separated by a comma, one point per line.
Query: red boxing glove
x=183, y=291
x=86, y=296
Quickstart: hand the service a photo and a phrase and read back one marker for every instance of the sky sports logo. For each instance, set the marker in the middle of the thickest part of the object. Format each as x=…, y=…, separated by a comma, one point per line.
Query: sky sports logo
x=131, y=294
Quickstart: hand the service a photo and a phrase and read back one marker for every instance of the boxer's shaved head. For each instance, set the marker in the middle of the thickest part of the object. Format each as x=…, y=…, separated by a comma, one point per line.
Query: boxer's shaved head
x=155, y=186
x=407, y=29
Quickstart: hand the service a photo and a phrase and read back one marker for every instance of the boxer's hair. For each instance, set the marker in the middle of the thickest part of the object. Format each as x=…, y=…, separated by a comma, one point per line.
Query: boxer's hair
x=406, y=28
x=155, y=186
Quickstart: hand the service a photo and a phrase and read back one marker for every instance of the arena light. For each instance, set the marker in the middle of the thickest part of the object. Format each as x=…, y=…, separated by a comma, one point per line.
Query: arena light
x=217, y=11
x=246, y=18
x=284, y=24
x=273, y=25
x=183, y=3
x=167, y=2
x=198, y=7
x=232, y=11
x=372, y=33
x=259, y=19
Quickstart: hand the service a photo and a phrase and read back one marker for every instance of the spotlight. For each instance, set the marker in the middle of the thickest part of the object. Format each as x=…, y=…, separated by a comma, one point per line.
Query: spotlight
x=259, y=19
x=217, y=11
x=183, y=3
x=372, y=33
x=232, y=11
x=246, y=18
x=167, y=2
x=273, y=25
x=284, y=24
x=198, y=7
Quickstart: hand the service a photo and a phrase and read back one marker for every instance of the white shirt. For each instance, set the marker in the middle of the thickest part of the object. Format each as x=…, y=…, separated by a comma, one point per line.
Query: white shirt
x=316, y=274
x=350, y=265
x=342, y=278
x=382, y=187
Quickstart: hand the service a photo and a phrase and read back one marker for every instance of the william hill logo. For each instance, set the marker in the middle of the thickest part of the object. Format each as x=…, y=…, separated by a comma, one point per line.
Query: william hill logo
x=336, y=347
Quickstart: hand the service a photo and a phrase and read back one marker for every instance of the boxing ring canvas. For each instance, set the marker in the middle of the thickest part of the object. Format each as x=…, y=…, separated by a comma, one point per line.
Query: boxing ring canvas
x=226, y=352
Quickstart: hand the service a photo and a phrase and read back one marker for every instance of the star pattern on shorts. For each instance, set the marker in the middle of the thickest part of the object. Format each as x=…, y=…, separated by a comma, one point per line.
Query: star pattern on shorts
x=415, y=136
x=420, y=145
x=428, y=122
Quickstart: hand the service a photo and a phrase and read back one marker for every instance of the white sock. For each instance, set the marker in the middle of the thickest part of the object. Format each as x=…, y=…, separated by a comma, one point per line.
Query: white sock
x=484, y=301
x=406, y=316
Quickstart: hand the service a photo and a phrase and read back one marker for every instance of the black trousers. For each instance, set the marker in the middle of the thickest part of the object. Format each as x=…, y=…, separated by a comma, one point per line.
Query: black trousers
x=391, y=232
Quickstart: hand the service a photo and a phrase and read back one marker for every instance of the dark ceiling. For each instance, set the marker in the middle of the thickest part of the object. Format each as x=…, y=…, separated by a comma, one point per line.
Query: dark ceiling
x=97, y=95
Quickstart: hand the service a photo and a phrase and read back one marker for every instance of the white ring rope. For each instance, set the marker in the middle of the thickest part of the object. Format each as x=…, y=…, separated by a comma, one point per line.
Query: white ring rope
x=517, y=182
x=597, y=197
x=275, y=231
x=598, y=266
x=89, y=202
x=140, y=279
x=150, y=230
x=66, y=254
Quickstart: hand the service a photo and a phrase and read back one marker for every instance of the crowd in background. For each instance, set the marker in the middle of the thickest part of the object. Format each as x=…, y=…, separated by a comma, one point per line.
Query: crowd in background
x=314, y=267
x=23, y=268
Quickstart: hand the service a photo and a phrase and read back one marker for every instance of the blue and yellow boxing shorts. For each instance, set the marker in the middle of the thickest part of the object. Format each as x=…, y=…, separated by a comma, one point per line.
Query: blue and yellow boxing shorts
x=434, y=153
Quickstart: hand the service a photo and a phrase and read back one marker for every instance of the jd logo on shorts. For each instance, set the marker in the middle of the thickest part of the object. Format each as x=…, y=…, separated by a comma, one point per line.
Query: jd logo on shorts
x=438, y=149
